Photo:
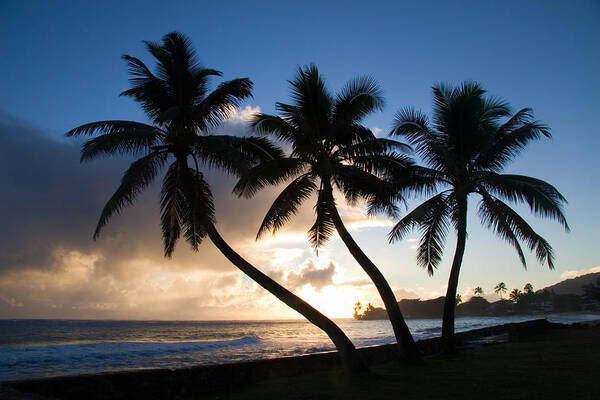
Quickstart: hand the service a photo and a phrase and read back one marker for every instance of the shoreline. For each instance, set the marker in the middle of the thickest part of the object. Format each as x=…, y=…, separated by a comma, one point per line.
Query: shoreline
x=213, y=378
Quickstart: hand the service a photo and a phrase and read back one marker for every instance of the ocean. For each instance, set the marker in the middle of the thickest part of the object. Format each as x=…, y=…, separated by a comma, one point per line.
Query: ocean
x=43, y=348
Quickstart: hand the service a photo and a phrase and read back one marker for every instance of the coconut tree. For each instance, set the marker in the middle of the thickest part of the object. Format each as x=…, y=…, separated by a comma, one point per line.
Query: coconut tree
x=182, y=110
x=465, y=148
x=500, y=289
x=515, y=295
x=528, y=289
x=331, y=149
x=478, y=291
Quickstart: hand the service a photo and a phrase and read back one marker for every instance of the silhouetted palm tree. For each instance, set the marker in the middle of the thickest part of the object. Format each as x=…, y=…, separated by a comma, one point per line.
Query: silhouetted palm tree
x=182, y=110
x=528, y=289
x=330, y=148
x=478, y=291
x=500, y=289
x=465, y=149
x=515, y=295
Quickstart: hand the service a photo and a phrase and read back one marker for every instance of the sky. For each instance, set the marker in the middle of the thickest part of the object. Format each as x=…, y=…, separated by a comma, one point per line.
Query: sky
x=60, y=66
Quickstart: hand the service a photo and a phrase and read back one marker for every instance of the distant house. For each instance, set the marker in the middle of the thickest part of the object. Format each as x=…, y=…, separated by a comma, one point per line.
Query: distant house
x=503, y=307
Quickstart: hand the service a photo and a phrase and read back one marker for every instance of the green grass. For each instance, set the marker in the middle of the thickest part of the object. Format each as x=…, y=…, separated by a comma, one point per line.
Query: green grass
x=561, y=364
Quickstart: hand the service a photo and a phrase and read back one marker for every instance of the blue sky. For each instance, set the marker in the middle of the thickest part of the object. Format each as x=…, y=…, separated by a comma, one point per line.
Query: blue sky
x=61, y=67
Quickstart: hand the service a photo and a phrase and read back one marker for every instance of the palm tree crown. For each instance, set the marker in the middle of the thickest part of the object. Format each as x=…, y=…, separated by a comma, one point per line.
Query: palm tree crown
x=465, y=149
x=177, y=101
x=500, y=289
x=329, y=148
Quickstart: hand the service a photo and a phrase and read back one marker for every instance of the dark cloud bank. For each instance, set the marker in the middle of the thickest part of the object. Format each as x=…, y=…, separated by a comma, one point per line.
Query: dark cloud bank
x=50, y=204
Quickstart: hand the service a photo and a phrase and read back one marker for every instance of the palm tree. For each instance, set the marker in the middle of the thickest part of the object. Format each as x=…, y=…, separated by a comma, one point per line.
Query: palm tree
x=478, y=291
x=515, y=295
x=181, y=108
x=500, y=289
x=330, y=148
x=528, y=289
x=465, y=150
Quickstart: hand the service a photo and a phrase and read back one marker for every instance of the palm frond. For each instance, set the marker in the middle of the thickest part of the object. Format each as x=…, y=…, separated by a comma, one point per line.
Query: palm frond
x=371, y=147
x=347, y=135
x=324, y=226
x=270, y=124
x=542, y=198
x=122, y=137
x=416, y=180
x=222, y=152
x=150, y=91
x=199, y=207
x=271, y=172
x=176, y=58
x=497, y=210
x=494, y=108
x=286, y=204
x=172, y=206
x=218, y=105
x=383, y=165
x=434, y=230
x=508, y=140
x=313, y=100
x=235, y=154
x=428, y=144
x=258, y=148
x=357, y=184
x=200, y=78
x=493, y=219
x=138, y=176
x=417, y=217
x=360, y=97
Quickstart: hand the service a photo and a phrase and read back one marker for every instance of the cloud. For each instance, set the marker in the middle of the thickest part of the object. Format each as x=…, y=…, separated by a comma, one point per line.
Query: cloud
x=575, y=274
x=311, y=274
x=317, y=276
x=406, y=294
x=356, y=218
x=50, y=205
x=241, y=117
x=308, y=274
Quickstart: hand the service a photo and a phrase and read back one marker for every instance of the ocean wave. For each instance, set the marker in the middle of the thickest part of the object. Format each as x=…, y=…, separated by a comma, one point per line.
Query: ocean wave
x=367, y=342
x=69, y=353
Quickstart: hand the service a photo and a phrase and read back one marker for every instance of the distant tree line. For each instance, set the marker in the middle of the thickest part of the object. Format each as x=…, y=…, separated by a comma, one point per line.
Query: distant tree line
x=525, y=301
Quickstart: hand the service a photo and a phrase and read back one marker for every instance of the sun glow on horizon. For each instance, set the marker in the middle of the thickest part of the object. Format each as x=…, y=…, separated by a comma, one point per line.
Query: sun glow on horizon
x=330, y=300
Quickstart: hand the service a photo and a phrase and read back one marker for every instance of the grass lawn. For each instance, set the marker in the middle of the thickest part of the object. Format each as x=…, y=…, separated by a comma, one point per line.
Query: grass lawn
x=563, y=364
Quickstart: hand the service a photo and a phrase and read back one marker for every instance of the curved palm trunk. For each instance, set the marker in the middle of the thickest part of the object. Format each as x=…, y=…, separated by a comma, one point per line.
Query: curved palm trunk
x=448, y=339
x=406, y=343
x=348, y=354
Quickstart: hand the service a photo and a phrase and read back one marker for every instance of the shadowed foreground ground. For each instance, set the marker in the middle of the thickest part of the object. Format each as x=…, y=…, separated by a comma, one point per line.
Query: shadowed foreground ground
x=541, y=361
x=561, y=364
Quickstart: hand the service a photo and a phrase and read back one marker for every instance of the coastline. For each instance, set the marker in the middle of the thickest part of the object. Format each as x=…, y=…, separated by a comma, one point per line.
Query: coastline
x=160, y=383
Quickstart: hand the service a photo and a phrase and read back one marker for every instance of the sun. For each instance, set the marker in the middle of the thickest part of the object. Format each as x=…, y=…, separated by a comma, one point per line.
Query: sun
x=332, y=301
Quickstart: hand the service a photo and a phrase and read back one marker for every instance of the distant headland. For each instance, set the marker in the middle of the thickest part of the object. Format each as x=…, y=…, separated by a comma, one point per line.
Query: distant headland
x=571, y=295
